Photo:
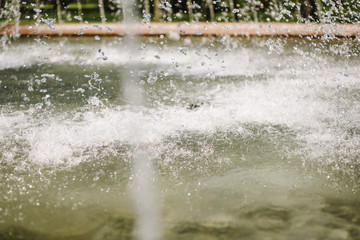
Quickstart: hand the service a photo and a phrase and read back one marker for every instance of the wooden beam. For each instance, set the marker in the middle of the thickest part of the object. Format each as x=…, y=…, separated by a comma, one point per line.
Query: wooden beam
x=204, y=29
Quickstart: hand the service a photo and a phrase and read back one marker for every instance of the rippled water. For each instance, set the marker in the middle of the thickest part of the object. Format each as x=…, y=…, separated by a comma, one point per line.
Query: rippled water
x=249, y=139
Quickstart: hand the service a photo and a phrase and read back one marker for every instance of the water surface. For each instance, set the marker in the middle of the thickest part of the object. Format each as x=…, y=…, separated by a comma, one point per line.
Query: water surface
x=247, y=139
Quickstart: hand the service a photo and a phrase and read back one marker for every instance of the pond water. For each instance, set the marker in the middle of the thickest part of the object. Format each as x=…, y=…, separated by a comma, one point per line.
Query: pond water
x=244, y=138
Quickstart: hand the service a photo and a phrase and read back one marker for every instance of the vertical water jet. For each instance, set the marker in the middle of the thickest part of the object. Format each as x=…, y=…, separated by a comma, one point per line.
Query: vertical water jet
x=79, y=10
x=318, y=10
x=211, y=9
x=102, y=11
x=254, y=11
x=17, y=14
x=146, y=11
x=232, y=13
x=298, y=11
x=190, y=10
x=143, y=190
x=58, y=10
x=37, y=3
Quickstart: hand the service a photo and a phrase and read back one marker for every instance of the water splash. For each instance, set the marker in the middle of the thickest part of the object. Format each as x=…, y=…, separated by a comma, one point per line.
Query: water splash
x=147, y=205
x=275, y=102
x=11, y=14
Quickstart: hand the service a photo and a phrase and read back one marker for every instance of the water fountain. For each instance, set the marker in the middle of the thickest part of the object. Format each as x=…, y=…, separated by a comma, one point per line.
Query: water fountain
x=182, y=137
x=144, y=193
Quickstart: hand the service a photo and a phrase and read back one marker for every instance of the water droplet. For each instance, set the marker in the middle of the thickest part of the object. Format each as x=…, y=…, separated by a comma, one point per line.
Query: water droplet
x=78, y=18
x=142, y=46
x=152, y=78
x=96, y=26
x=48, y=75
x=39, y=105
x=109, y=29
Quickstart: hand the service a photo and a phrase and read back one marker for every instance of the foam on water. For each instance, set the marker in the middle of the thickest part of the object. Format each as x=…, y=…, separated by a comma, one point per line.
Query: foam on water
x=316, y=98
x=185, y=59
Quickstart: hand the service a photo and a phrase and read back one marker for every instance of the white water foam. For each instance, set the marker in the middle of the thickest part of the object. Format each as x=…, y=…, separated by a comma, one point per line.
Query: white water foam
x=184, y=59
x=310, y=96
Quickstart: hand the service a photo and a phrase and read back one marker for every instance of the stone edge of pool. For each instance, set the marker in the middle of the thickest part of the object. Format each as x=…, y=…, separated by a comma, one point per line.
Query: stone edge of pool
x=186, y=29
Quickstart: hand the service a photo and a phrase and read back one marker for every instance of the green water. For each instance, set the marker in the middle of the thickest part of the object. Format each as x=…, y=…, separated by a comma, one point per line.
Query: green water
x=246, y=139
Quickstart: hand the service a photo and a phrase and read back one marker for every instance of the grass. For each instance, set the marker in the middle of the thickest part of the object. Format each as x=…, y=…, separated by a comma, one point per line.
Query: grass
x=91, y=14
x=74, y=6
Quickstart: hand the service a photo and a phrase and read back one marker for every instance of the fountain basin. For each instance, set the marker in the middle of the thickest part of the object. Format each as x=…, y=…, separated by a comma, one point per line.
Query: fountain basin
x=270, y=151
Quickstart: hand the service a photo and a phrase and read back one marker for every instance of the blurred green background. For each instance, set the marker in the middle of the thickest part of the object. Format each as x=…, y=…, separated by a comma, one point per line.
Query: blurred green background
x=57, y=11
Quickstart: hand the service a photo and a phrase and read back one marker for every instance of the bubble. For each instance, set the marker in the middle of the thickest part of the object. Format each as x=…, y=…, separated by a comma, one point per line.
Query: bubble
x=39, y=105
x=153, y=77
x=78, y=18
